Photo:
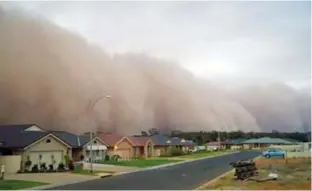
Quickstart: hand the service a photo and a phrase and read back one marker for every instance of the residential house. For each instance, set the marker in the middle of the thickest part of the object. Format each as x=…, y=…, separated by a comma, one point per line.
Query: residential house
x=234, y=144
x=264, y=142
x=142, y=146
x=82, y=146
x=22, y=143
x=161, y=145
x=215, y=145
x=117, y=145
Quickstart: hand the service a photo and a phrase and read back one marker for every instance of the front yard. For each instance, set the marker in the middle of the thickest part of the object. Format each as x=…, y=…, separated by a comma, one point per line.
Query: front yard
x=18, y=184
x=293, y=174
x=141, y=163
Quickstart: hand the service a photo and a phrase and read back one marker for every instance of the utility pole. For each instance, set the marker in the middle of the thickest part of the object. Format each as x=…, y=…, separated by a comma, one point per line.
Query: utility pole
x=91, y=154
x=219, y=140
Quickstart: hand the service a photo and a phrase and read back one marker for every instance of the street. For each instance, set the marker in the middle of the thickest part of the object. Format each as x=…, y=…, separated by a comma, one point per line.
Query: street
x=185, y=176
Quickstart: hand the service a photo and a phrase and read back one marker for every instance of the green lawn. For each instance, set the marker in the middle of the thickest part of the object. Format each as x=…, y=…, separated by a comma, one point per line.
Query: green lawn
x=202, y=154
x=141, y=163
x=18, y=184
x=87, y=172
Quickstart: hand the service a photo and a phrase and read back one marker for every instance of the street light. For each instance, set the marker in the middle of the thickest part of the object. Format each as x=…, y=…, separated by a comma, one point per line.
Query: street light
x=90, y=109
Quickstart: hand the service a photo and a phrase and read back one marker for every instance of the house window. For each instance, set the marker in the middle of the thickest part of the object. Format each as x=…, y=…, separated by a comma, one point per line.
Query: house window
x=48, y=141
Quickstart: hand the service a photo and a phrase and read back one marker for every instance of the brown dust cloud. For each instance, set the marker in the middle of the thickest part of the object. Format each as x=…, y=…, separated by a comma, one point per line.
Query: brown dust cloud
x=55, y=79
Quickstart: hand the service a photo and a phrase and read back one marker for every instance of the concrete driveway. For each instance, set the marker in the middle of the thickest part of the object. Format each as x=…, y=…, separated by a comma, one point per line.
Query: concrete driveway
x=51, y=178
x=185, y=176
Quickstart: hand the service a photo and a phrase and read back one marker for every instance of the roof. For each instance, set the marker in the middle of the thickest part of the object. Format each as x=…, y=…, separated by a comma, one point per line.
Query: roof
x=235, y=141
x=139, y=141
x=73, y=140
x=110, y=138
x=176, y=141
x=15, y=136
x=214, y=143
x=160, y=140
x=268, y=140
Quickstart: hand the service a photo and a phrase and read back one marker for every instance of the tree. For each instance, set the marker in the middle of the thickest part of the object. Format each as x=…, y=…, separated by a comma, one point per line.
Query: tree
x=144, y=133
x=154, y=131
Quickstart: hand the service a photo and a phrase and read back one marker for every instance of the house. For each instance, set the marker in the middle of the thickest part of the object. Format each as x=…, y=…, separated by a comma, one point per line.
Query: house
x=264, y=142
x=142, y=146
x=29, y=142
x=161, y=144
x=82, y=146
x=215, y=145
x=234, y=144
x=117, y=145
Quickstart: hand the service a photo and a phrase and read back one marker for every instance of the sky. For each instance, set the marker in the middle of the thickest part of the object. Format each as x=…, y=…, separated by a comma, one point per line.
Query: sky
x=235, y=42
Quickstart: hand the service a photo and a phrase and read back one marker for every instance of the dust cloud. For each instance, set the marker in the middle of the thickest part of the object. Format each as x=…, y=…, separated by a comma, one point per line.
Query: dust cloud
x=54, y=78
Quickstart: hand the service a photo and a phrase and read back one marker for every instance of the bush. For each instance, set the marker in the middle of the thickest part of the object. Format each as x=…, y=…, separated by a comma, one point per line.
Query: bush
x=71, y=165
x=35, y=168
x=61, y=167
x=173, y=151
x=115, y=158
x=43, y=167
x=106, y=158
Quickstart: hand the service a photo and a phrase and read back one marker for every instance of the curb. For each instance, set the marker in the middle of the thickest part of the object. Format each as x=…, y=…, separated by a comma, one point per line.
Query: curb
x=215, y=179
x=56, y=185
x=221, y=176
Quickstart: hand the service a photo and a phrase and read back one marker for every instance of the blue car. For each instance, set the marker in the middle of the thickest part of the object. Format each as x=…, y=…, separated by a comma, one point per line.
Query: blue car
x=274, y=152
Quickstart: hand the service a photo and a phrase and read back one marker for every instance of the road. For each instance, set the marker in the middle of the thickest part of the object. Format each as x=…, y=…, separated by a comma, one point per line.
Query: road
x=185, y=176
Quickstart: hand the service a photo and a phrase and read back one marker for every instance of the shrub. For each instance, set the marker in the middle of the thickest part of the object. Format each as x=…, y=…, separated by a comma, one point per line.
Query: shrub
x=115, y=158
x=35, y=168
x=51, y=168
x=106, y=158
x=43, y=167
x=71, y=165
x=27, y=164
x=61, y=167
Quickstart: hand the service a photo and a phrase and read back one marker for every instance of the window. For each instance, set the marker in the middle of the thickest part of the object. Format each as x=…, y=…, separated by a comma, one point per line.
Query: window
x=48, y=141
x=94, y=142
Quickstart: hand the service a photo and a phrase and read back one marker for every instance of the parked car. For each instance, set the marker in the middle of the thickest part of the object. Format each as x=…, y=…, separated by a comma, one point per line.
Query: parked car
x=274, y=152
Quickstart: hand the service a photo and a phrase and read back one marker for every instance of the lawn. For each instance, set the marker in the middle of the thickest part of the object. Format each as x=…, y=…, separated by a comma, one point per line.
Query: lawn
x=18, y=184
x=141, y=163
x=202, y=154
x=78, y=170
x=293, y=175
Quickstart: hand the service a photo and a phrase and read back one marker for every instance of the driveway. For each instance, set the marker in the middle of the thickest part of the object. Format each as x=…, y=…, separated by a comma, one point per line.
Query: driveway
x=51, y=178
x=185, y=176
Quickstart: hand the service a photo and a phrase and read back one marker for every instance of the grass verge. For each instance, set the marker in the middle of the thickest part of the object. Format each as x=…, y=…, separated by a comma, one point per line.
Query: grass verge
x=18, y=184
x=202, y=154
x=87, y=172
x=141, y=163
x=293, y=175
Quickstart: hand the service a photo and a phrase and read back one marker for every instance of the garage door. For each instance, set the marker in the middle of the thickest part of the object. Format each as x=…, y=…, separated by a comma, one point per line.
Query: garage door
x=123, y=153
x=46, y=157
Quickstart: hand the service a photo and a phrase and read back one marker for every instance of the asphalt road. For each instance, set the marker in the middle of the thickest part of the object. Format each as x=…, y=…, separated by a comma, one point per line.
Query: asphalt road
x=185, y=176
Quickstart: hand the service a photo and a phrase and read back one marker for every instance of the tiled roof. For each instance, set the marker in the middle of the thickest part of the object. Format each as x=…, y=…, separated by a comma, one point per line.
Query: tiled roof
x=110, y=138
x=160, y=140
x=139, y=141
x=73, y=140
x=15, y=136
